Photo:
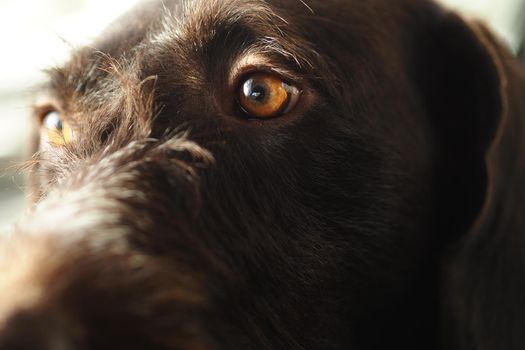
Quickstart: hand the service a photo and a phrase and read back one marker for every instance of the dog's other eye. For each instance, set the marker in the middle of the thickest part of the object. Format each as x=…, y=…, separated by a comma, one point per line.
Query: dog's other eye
x=55, y=130
x=264, y=95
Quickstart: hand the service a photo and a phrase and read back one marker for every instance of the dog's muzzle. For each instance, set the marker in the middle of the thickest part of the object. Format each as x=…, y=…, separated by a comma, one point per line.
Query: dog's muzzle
x=90, y=262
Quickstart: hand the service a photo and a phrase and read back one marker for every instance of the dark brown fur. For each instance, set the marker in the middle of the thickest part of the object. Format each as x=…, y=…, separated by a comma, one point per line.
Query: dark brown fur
x=383, y=212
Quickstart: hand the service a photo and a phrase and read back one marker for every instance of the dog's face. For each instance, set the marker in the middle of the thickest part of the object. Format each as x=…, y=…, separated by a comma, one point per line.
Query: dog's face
x=252, y=174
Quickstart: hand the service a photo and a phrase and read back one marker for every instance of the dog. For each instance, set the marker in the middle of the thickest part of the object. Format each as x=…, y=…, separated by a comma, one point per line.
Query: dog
x=280, y=174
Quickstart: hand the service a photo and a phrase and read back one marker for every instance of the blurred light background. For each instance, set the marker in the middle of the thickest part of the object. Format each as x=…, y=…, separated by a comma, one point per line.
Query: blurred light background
x=36, y=34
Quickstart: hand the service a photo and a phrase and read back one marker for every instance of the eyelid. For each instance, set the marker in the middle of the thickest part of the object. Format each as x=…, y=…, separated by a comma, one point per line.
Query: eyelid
x=253, y=63
x=42, y=110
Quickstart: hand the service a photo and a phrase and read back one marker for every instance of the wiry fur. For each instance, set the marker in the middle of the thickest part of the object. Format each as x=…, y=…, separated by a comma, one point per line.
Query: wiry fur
x=363, y=219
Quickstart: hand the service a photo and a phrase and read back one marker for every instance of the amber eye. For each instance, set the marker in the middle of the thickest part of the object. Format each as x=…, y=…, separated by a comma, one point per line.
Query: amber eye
x=264, y=95
x=55, y=130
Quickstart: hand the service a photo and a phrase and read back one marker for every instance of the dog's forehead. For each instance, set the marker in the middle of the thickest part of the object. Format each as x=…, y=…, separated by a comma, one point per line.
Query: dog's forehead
x=197, y=20
x=182, y=31
x=190, y=47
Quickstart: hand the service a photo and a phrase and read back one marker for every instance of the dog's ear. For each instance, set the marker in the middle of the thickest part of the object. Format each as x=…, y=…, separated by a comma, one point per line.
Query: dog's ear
x=475, y=93
x=461, y=83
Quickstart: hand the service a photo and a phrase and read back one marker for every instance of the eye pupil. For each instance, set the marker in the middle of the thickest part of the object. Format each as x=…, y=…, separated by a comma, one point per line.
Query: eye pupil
x=253, y=91
x=258, y=94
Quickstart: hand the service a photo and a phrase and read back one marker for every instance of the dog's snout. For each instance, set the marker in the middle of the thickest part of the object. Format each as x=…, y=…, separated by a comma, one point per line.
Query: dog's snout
x=83, y=258
x=34, y=329
x=30, y=318
x=88, y=294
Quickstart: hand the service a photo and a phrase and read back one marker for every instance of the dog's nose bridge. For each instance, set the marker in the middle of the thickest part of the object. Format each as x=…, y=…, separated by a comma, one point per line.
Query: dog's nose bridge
x=116, y=185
